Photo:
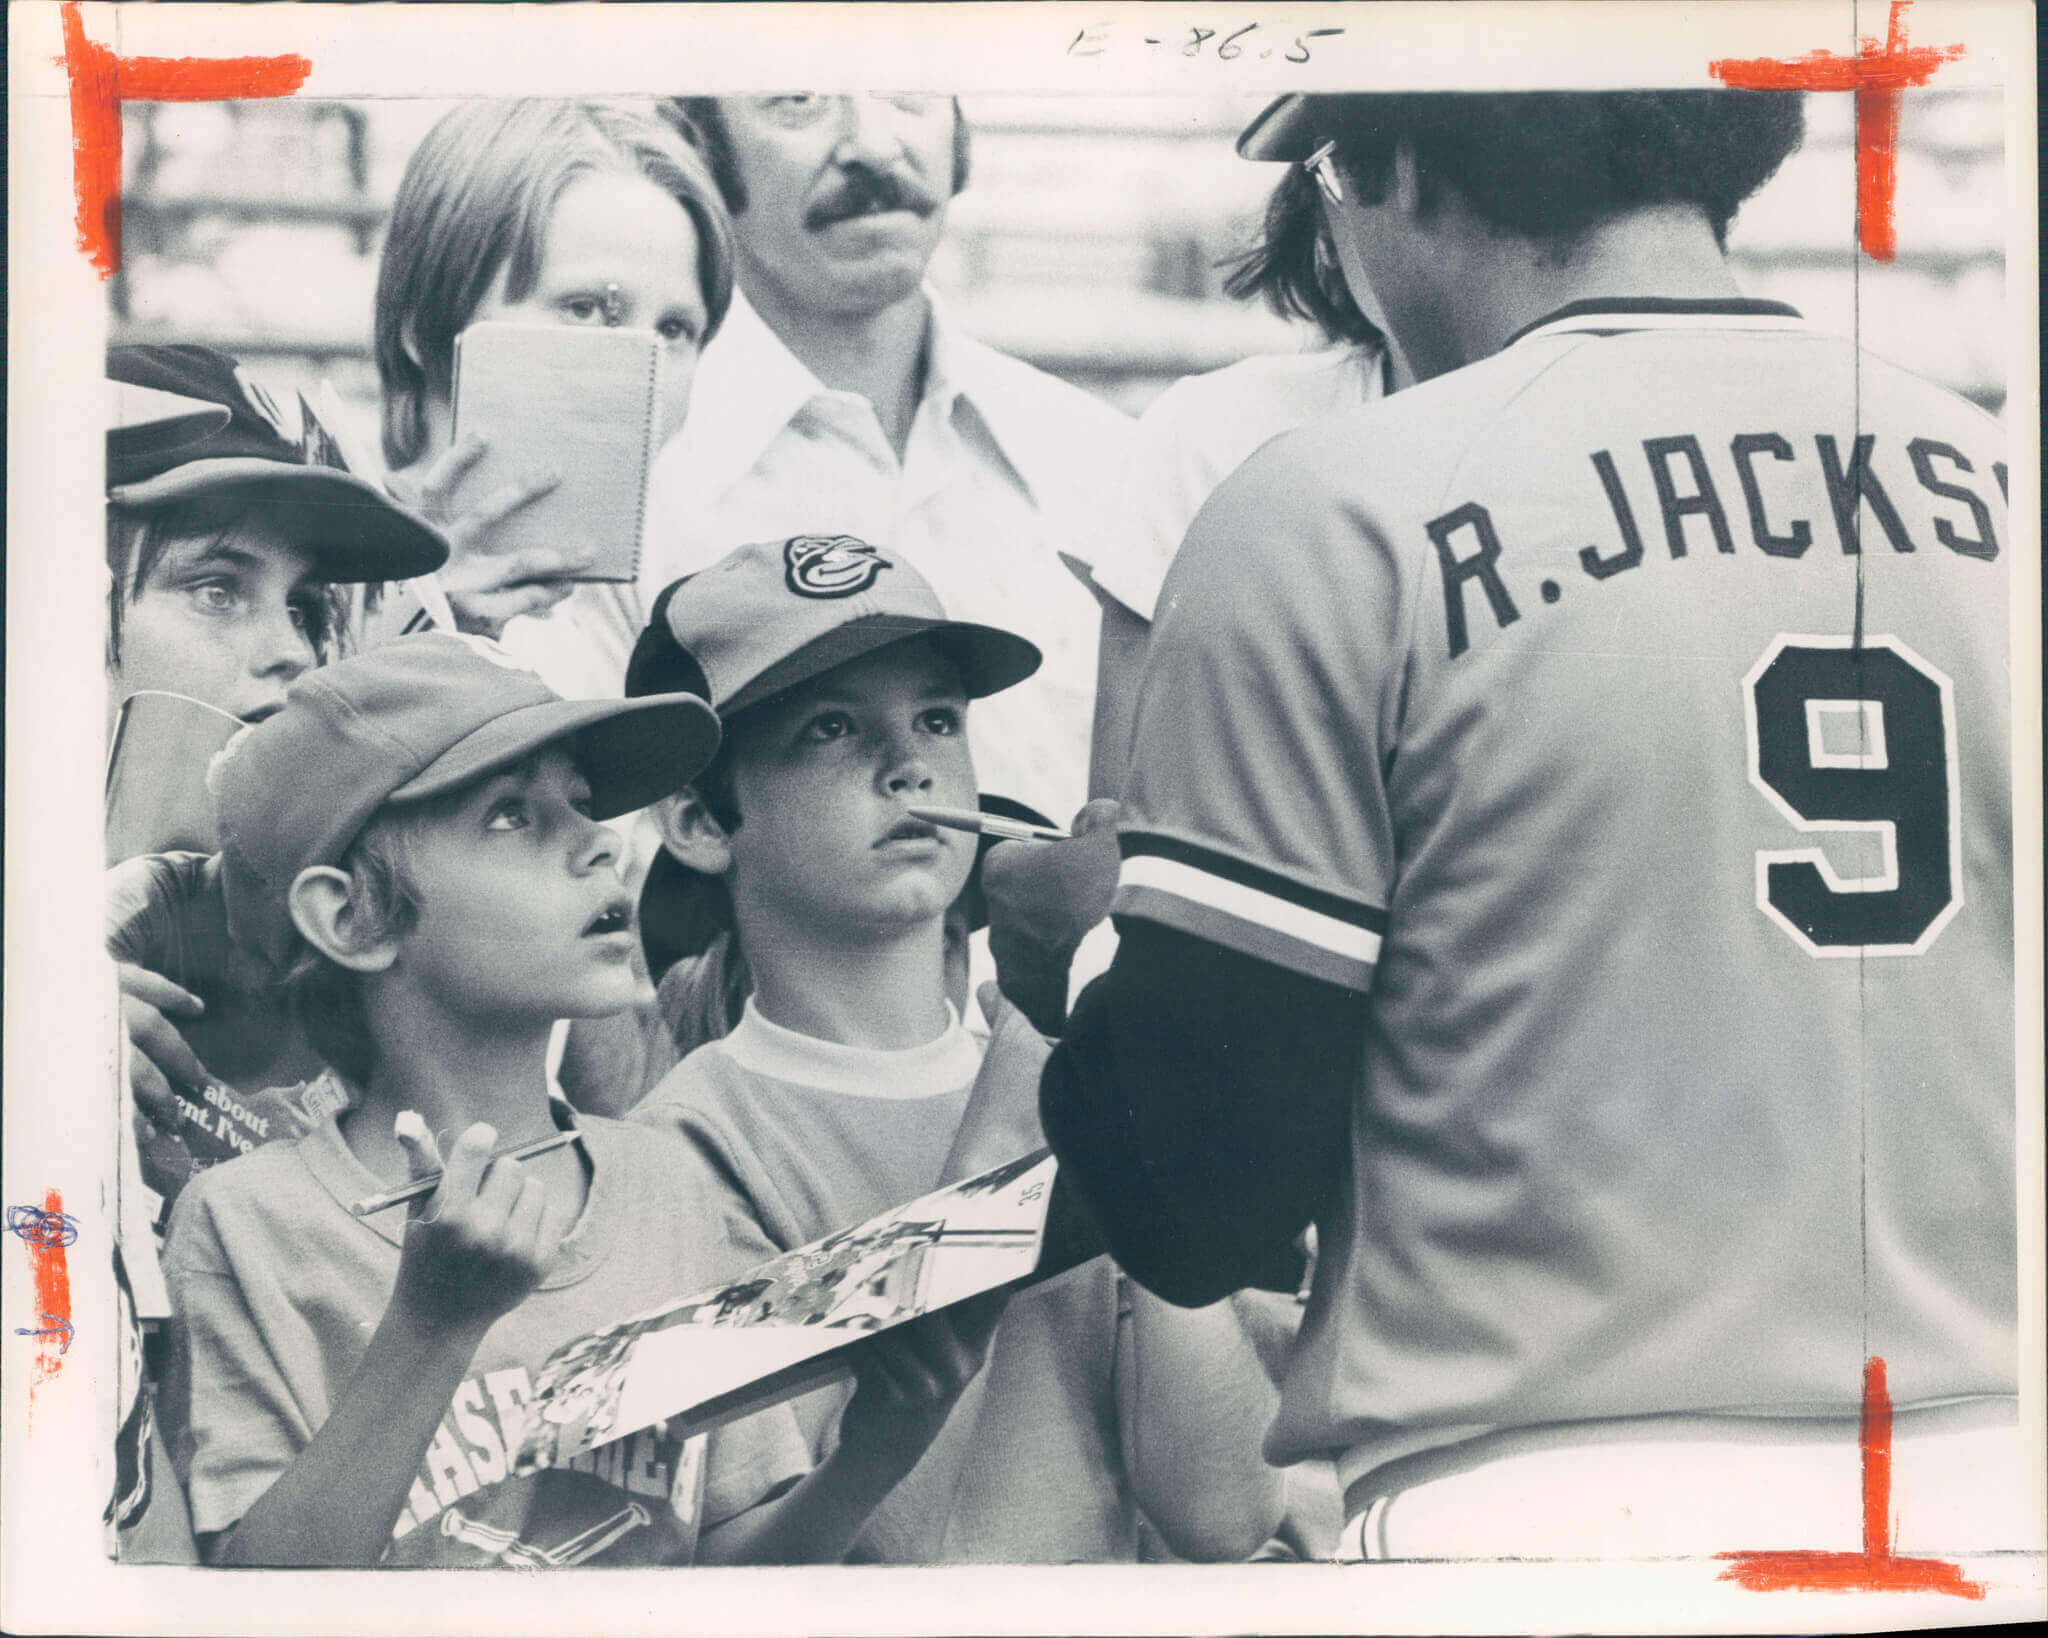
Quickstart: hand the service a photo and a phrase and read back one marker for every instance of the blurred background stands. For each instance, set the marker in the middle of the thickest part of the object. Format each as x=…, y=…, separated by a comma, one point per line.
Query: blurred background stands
x=1088, y=243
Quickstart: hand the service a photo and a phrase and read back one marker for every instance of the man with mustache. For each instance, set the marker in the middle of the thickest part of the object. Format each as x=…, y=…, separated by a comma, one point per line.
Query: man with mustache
x=839, y=397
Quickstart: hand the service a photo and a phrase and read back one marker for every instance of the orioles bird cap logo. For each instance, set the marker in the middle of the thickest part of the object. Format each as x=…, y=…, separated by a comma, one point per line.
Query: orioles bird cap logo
x=831, y=565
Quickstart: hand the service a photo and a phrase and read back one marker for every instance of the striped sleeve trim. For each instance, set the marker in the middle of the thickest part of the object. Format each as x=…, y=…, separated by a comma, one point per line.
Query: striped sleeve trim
x=1260, y=914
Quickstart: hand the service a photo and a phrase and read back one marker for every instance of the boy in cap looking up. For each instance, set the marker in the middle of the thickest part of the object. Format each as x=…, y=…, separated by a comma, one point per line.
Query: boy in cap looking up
x=851, y=1085
x=414, y=840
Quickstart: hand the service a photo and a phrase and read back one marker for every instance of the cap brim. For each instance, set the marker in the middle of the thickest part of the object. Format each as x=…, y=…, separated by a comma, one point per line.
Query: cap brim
x=351, y=528
x=989, y=659
x=1284, y=130
x=633, y=752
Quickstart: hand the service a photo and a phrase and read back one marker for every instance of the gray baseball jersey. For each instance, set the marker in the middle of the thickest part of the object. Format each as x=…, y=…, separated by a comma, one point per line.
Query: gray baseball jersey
x=1624, y=718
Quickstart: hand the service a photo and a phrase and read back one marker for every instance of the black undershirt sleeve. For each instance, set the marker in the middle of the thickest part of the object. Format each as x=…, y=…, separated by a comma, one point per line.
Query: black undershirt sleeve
x=1199, y=1104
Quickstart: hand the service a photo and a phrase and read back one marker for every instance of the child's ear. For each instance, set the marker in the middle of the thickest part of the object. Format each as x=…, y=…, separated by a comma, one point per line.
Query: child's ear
x=692, y=833
x=326, y=919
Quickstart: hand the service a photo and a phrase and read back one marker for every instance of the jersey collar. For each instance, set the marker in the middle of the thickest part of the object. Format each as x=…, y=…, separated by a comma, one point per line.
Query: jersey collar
x=1616, y=315
x=948, y=1064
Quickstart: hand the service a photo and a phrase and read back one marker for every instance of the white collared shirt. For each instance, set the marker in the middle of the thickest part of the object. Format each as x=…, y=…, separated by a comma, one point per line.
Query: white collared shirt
x=1200, y=430
x=1006, y=469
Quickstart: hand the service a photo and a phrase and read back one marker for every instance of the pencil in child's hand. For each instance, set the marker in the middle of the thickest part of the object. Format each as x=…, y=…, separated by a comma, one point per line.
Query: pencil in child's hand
x=420, y=1187
x=989, y=824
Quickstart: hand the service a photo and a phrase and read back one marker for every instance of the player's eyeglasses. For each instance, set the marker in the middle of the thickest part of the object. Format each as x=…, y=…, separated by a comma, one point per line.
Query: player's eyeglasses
x=1322, y=165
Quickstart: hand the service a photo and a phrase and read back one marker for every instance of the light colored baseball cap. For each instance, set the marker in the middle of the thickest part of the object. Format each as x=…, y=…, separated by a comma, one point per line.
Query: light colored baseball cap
x=769, y=616
x=416, y=718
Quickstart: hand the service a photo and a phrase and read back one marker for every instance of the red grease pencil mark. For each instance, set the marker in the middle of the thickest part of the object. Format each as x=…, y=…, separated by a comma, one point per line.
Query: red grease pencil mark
x=1877, y=74
x=1874, y=1569
x=51, y=1280
x=101, y=82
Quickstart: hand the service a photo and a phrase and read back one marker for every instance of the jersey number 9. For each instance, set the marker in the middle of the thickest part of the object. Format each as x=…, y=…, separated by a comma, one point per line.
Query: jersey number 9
x=1857, y=737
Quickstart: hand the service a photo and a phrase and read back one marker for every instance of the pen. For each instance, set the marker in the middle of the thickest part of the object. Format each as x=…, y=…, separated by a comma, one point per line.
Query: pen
x=422, y=1186
x=988, y=824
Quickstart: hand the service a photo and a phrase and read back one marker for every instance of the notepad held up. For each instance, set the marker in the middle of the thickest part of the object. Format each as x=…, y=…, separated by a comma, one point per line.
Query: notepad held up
x=582, y=403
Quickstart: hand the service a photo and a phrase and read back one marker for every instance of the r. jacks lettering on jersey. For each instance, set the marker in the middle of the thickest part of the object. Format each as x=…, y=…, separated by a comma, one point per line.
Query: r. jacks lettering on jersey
x=1688, y=486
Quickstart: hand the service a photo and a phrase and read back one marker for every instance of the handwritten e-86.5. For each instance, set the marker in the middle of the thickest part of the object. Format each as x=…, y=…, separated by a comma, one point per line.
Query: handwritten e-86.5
x=1250, y=41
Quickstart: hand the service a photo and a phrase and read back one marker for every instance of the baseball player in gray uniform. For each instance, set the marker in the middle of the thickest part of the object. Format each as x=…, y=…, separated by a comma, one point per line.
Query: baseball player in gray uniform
x=1567, y=857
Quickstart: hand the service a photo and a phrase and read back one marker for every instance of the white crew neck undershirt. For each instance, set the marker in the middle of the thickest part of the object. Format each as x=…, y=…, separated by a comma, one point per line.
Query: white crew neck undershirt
x=946, y=1064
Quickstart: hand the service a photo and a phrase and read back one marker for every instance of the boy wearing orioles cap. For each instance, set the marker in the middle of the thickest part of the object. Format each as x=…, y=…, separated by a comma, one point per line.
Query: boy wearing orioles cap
x=850, y=1083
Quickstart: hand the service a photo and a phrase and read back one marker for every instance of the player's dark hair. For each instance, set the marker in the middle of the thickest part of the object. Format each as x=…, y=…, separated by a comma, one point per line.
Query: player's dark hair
x=1293, y=267
x=1549, y=165
x=703, y=121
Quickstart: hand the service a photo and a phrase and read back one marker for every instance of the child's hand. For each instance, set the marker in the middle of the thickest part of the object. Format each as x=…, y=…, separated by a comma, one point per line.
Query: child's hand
x=161, y=1156
x=478, y=1244
x=909, y=1378
x=165, y=913
x=1042, y=898
x=159, y=1060
x=487, y=588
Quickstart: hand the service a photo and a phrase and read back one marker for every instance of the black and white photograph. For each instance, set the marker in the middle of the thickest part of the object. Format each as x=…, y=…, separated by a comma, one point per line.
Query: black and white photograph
x=1246, y=791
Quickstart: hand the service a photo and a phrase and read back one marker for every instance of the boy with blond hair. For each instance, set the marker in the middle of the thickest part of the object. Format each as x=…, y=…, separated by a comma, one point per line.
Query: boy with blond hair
x=851, y=1084
x=415, y=839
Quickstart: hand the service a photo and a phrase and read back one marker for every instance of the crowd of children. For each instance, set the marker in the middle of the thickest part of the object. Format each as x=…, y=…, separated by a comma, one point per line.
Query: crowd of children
x=413, y=883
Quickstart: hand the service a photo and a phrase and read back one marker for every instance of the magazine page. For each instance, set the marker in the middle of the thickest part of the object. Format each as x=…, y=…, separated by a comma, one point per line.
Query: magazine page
x=734, y=1347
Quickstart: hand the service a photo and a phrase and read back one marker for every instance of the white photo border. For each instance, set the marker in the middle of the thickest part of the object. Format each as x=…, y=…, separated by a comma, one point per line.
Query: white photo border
x=60, y=1011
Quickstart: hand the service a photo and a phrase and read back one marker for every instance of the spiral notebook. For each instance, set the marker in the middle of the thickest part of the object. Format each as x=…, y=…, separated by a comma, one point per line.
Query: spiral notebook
x=583, y=403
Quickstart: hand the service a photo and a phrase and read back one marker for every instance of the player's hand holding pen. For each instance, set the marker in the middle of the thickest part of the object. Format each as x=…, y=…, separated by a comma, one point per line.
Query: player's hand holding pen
x=1043, y=897
x=480, y=1242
